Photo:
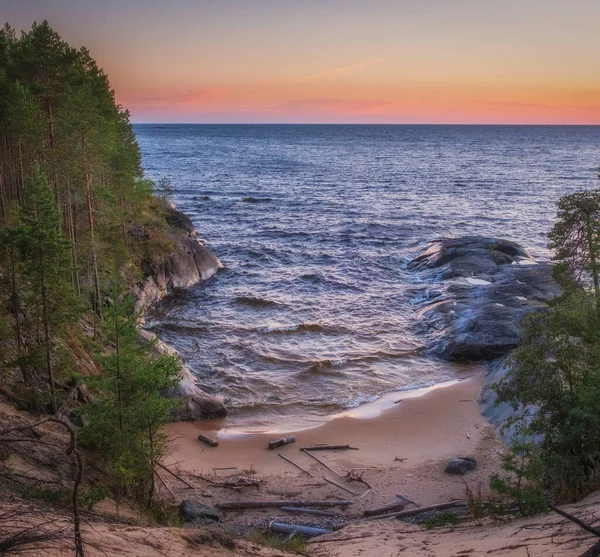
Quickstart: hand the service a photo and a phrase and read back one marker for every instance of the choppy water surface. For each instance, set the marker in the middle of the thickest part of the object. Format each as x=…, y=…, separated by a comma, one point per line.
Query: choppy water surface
x=314, y=310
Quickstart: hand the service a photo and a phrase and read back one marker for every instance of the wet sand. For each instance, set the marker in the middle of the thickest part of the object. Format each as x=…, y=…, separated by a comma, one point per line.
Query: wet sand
x=424, y=431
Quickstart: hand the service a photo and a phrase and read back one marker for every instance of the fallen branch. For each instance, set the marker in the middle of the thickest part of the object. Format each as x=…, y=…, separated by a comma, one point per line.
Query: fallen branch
x=353, y=476
x=309, y=511
x=175, y=475
x=413, y=512
x=74, y=453
x=387, y=509
x=323, y=463
x=296, y=465
x=351, y=491
x=329, y=448
x=574, y=519
x=233, y=505
x=163, y=482
x=593, y=551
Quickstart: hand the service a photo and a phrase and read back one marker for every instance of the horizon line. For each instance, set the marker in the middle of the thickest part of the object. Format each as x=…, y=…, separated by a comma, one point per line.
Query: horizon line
x=358, y=124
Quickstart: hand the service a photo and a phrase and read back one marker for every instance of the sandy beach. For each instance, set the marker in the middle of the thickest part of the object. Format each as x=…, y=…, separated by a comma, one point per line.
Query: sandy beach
x=404, y=449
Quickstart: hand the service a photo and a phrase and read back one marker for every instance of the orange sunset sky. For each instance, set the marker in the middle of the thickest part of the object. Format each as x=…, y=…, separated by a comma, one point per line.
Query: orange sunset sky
x=335, y=61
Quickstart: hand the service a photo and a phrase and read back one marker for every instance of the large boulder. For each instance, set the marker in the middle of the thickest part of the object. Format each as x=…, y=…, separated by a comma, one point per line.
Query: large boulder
x=479, y=291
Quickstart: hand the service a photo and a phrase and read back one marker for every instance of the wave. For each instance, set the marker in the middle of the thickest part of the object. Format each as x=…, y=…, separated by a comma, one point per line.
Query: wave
x=255, y=302
x=178, y=328
x=310, y=327
x=250, y=199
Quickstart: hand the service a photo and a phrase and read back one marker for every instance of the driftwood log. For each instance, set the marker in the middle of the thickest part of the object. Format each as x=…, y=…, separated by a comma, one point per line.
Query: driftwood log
x=208, y=440
x=317, y=512
x=297, y=529
x=283, y=441
x=329, y=448
x=386, y=509
x=414, y=512
x=235, y=505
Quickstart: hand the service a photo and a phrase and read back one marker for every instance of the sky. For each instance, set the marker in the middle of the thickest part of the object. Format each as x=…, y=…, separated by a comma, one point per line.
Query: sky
x=339, y=61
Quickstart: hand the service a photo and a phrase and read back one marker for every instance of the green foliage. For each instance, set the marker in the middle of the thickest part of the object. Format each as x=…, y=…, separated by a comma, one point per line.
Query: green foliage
x=130, y=408
x=61, y=495
x=520, y=488
x=554, y=387
x=574, y=239
x=444, y=518
x=294, y=544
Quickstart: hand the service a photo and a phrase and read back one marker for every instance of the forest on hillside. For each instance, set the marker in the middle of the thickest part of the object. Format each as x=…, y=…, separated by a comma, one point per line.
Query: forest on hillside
x=77, y=223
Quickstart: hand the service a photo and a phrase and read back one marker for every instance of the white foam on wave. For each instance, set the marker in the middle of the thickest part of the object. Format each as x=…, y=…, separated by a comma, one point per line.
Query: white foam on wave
x=477, y=281
x=525, y=262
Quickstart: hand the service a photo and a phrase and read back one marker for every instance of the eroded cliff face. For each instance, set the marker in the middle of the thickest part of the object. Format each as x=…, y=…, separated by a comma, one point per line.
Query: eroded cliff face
x=188, y=264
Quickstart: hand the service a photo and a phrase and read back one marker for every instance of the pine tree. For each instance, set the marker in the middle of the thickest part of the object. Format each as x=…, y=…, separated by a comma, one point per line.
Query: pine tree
x=45, y=261
x=126, y=417
x=575, y=238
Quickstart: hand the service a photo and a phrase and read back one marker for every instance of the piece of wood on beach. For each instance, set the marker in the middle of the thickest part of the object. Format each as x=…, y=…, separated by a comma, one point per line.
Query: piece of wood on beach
x=323, y=463
x=164, y=483
x=351, y=491
x=283, y=441
x=175, y=475
x=235, y=505
x=296, y=465
x=208, y=440
x=225, y=468
x=386, y=509
x=414, y=512
x=307, y=531
x=317, y=512
x=329, y=448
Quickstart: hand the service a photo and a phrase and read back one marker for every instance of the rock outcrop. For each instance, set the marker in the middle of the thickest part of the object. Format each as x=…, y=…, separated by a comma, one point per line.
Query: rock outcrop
x=188, y=264
x=481, y=289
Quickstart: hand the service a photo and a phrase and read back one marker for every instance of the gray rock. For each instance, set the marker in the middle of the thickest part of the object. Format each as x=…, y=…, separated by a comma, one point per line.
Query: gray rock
x=461, y=465
x=178, y=220
x=486, y=287
x=201, y=407
x=192, y=510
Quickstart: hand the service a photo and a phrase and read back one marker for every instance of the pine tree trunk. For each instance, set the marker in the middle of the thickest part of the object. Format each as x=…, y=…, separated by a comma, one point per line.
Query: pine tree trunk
x=118, y=362
x=15, y=303
x=46, y=327
x=88, y=194
x=593, y=261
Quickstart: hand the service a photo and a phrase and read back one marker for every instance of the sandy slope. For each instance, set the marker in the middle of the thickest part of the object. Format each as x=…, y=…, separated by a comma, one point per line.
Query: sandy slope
x=547, y=536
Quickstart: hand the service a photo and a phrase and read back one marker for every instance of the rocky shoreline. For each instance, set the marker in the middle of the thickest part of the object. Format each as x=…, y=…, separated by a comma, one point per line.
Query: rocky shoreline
x=481, y=290
x=188, y=264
